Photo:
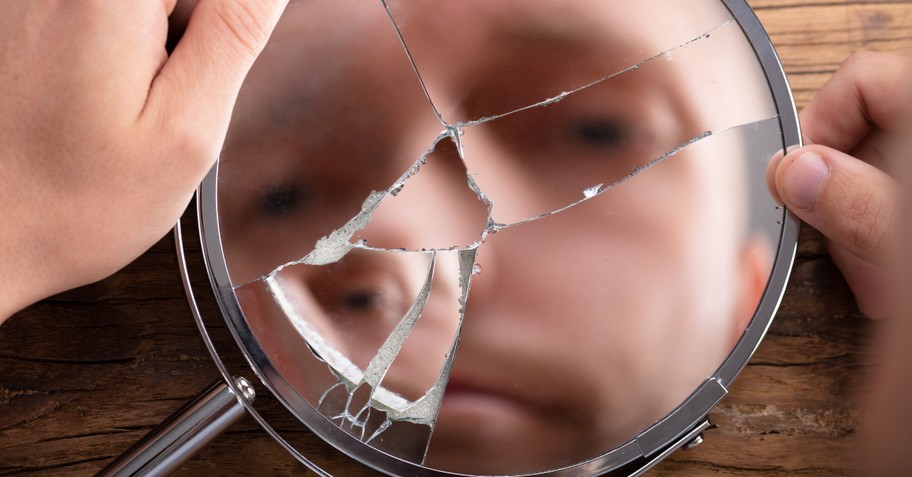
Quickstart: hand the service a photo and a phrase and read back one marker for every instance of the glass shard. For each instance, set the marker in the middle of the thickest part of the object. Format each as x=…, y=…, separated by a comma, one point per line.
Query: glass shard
x=441, y=194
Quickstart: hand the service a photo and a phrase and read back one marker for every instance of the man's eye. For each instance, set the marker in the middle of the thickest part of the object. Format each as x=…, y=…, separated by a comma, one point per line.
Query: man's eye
x=281, y=200
x=361, y=300
x=599, y=133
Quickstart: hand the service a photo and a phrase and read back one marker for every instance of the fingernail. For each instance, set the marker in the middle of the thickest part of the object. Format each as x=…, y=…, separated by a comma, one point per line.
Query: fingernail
x=771, y=169
x=803, y=179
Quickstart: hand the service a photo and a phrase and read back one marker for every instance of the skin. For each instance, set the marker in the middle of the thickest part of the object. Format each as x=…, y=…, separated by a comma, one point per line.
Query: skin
x=858, y=126
x=104, y=136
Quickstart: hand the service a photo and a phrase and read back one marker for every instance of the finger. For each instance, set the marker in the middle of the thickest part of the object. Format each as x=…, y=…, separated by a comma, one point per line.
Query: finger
x=877, y=150
x=771, y=168
x=868, y=91
x=869, y=283
x=851, y=202
x=194, y=94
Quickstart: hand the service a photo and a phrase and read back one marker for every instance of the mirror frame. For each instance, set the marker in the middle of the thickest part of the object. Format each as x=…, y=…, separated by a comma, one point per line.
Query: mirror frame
x=680, y=427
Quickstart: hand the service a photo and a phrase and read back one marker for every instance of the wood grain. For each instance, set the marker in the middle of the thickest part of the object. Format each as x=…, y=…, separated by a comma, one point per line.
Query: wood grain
x=86, y=373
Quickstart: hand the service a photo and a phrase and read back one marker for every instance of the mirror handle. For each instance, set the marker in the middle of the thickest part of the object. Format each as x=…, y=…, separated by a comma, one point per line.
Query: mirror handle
x=183, y=434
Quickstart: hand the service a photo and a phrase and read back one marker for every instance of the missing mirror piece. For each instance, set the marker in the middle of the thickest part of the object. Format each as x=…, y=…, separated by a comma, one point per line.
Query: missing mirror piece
x=588, y=313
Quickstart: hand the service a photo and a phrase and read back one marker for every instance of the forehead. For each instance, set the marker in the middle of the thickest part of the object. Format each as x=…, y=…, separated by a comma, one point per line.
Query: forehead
x=630, y=31
x=326, y=45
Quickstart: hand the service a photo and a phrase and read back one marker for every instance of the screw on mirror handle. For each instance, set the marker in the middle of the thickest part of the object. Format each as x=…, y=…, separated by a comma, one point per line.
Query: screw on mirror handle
x=183, y=434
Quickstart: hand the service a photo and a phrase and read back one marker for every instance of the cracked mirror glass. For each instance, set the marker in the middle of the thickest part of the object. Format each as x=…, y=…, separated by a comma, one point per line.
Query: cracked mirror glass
x=499, y=237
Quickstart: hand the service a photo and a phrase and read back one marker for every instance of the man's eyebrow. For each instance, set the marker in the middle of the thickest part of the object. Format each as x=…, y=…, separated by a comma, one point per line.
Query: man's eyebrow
x=296, y=102
x=544, y=32
x=559, y=27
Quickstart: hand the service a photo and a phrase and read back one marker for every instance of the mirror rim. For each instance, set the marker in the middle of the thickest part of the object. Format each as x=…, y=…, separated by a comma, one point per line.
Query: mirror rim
x=638, y=454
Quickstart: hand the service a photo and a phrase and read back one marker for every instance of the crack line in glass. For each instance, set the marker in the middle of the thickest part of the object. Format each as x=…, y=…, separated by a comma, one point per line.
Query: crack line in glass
x=333, y=247
x=556, y=99
x=588, y=193
x=412, y=62
x=422, y=411
x=596, y=190
x=426, y=408
x=377, y=368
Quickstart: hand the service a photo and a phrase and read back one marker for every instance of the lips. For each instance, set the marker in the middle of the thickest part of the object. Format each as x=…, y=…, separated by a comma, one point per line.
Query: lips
x=474, y=399
x=490, y=429
x=461, y=391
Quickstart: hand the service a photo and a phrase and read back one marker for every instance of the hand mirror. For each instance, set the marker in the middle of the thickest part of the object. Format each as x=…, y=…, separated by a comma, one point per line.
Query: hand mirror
x=510, y=237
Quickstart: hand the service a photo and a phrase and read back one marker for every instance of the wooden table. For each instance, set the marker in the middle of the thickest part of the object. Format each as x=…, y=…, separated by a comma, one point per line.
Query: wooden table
x=85, y=374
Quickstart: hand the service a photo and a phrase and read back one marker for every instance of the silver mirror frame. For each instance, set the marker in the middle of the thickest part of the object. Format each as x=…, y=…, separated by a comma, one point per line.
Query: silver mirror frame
x=680, y=427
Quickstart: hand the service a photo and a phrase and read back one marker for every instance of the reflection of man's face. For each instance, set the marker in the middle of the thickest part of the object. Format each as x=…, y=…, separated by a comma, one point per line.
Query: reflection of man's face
x=582, y=328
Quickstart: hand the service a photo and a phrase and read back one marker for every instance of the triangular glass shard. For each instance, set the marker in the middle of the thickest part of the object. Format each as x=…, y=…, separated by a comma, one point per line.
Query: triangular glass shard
x=435, y=209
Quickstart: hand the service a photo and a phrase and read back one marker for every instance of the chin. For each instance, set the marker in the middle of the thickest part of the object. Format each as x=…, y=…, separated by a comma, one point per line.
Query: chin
x=485, y=434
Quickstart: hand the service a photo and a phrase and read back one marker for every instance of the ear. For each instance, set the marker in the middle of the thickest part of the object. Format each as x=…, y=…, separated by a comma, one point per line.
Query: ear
x=754, y=264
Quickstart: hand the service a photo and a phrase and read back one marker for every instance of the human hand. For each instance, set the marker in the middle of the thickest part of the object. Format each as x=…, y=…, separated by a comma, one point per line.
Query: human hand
x=103, y=136
x=844, y=186
x=840, y=183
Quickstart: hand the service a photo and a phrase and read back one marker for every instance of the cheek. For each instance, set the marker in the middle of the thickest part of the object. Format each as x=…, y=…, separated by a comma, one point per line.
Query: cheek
x=670, y=293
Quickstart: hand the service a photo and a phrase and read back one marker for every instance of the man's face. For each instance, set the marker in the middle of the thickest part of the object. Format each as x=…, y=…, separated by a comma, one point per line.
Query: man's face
x=586, y=320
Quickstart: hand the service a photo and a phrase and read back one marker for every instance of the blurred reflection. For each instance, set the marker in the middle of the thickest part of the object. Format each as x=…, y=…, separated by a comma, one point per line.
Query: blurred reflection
x=521, y=260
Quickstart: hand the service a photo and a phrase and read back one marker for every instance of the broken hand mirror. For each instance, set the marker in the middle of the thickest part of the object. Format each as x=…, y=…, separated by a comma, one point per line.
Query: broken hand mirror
x=504, y=237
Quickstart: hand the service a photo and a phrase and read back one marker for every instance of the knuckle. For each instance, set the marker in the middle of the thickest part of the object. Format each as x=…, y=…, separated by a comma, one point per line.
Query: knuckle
x=246, y=22
x=858, y=60
x=866, y=65
x=193, y=154
x=869, y=217
x=186, y=154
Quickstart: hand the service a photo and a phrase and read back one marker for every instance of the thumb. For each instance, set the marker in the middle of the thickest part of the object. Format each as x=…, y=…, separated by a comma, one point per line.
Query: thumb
x=195, y=91
x=849, y=201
